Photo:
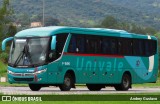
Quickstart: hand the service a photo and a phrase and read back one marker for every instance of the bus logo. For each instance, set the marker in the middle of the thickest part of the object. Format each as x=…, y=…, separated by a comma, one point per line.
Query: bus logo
x=137, y=63
x=6, y=98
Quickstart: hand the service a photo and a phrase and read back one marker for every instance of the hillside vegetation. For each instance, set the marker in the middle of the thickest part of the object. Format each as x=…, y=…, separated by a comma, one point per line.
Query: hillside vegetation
x=87, y=13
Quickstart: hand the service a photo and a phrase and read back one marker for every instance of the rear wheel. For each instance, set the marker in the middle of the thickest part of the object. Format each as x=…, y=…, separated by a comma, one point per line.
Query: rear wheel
x=34, y=87
x=125, y=83
x=94, y=87
x=67, y=83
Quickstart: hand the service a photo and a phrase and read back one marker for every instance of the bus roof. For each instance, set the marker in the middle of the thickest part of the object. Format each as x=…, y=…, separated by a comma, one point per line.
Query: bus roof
x=52, y=30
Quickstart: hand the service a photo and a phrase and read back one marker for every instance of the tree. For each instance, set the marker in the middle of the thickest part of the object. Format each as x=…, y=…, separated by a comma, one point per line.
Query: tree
x=50, y=21
x=150, y=31
x=5, y=19
x=109, y=22
x=12, y=30
x=36, y=18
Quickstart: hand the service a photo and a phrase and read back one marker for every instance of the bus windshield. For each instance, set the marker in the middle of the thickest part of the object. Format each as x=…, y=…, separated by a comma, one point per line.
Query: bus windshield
x=28, y=51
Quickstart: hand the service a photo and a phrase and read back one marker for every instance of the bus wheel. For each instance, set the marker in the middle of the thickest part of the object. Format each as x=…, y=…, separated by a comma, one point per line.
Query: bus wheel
x=125, y=83
x=34, y=87
x=94, y=87
x=68, y=82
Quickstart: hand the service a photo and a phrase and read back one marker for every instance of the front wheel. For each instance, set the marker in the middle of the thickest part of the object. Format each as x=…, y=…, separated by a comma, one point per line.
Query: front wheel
x=34, y=87
x=125, y=83
x=67, y=83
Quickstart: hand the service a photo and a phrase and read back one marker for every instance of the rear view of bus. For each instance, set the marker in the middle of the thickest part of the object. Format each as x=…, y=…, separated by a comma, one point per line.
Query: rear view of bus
x=65, y=56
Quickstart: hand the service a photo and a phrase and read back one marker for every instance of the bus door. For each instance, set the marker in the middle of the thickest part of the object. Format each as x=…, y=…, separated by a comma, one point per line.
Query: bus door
x=55, y=69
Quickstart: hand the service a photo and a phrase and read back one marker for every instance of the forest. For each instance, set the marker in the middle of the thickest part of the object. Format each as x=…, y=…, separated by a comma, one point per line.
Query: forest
x=87, y=13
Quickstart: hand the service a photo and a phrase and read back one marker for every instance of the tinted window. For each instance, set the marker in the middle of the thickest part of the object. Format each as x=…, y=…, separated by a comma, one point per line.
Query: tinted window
x=125, y=46
x=138, y=48
x=60, y=41
x=106, y=44
x=77, y=44
x=113, y=46
x=109, y=45
x=120, y=46
x=72, y=44
x=94, y=44
x=150, y=47
x=80, y=44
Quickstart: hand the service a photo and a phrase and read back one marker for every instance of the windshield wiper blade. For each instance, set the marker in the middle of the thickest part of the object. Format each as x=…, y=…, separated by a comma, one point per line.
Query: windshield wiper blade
x=18, y=59
x=21, y=55
x=27, y=54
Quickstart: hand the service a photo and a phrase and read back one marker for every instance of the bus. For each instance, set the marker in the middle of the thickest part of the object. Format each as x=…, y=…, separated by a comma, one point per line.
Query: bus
x=68, y=56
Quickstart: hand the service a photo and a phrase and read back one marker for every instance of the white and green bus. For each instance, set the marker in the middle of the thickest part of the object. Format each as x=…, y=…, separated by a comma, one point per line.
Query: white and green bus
x=97, y=57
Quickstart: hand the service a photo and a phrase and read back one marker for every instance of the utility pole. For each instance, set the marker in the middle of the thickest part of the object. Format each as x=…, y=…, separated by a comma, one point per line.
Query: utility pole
x=43, y=12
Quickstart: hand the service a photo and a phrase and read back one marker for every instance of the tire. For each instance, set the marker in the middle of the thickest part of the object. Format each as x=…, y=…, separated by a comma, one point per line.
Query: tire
x=34, y=87
x=67, y=83
x=125, y=83
x=94, y=87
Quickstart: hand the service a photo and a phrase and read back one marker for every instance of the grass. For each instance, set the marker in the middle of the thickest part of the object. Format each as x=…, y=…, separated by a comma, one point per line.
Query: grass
x=147, y=85
x=3, y=69
x=6, y=84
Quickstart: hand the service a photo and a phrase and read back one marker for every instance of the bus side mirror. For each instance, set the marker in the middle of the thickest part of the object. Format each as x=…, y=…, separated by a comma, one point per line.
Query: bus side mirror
x=53, y=43
x=4, y=43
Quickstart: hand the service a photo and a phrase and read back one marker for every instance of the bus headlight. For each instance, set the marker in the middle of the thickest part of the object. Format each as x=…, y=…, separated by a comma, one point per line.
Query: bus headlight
x=41, y=71
x=10, y=72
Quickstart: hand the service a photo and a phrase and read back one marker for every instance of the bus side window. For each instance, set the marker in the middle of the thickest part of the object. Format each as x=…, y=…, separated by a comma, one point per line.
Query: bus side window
x=141, y=48
x=127, y=47
x=135, y=48
x=113, y=46
x=61, y=39
x=120, y=47
x=77, y=44
x=89, y=45
x=98, y=45
x=106, y=46
x=138, y=48
x=93, y=44
x=109, y=46
x=150, y=47
x=80, y=44
x=154, y=47
x=72, y=44
x=147, y=48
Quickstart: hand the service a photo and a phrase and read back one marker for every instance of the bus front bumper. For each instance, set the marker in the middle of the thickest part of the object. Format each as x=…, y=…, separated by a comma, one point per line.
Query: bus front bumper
x=35, y=77
x=39, y=79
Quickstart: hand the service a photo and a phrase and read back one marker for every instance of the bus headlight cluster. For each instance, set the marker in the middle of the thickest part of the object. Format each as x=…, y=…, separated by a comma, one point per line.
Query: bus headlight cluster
x=10, y=72
x=41, y=71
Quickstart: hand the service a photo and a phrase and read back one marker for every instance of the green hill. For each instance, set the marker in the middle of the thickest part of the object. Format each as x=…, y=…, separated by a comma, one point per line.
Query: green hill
x=90, y=12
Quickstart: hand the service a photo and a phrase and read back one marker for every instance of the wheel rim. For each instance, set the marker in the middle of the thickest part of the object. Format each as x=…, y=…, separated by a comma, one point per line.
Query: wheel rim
x=67, y=82
x=126, y=82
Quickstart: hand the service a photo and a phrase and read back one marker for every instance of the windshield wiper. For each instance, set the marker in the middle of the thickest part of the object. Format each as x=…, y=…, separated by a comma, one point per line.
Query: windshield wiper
x=27, y=55
x=19, y=58
x=21, y=55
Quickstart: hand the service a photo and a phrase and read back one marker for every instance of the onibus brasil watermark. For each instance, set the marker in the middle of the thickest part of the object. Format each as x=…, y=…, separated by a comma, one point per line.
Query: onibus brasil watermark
x=21, y=98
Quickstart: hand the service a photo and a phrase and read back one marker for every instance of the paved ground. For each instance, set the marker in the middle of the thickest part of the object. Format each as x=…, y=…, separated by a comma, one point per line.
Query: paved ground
x=78, y=90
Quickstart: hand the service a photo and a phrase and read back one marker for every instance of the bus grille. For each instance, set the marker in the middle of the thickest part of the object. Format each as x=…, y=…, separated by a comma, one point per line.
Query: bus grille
x=24, y=79
x=23, y=74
